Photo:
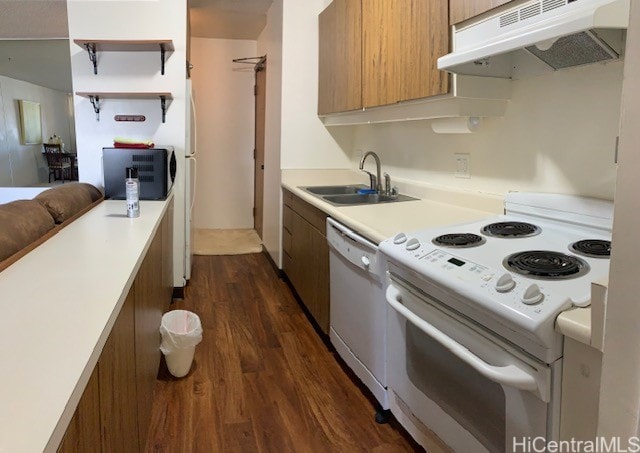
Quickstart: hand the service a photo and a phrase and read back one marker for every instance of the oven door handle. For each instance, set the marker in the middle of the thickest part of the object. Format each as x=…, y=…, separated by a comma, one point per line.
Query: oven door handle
x=510, y=375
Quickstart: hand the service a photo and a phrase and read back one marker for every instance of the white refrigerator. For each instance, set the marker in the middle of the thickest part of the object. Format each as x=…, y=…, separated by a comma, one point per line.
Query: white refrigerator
x=190, y=178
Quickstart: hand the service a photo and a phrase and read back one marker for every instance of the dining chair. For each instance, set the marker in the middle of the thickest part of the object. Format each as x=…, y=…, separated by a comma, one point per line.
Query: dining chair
x=59, y=163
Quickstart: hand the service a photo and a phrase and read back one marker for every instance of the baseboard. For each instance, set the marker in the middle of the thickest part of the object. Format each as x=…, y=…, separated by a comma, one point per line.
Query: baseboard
x=279, y=272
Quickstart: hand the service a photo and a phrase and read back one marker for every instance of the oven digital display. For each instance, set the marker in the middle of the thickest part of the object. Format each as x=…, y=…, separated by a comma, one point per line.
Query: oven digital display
x=456, y=261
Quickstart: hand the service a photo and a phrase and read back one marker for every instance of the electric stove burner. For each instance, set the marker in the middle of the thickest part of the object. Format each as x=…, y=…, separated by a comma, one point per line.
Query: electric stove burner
x=459, y=240
x=546, y=264
x=593, y=248
x=511, y=229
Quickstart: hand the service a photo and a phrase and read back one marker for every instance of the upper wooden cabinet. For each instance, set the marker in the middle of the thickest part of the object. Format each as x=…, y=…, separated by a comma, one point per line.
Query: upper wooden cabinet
x=380, y=21
x=423, y=37
x=401, y=41
x=465, y=9
x=340, y=55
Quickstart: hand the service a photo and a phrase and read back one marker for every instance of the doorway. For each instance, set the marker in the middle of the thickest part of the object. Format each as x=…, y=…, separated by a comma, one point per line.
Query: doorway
x=260, y=90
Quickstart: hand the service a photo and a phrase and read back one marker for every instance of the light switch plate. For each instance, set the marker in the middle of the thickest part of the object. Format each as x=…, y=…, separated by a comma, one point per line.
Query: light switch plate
x=462, y=165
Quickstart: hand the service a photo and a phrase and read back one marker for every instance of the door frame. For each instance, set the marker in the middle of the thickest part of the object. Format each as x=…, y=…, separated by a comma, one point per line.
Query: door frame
x=259, y=92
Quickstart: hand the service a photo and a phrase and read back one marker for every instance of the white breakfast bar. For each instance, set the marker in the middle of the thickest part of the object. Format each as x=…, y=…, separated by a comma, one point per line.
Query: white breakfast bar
x=59, y=304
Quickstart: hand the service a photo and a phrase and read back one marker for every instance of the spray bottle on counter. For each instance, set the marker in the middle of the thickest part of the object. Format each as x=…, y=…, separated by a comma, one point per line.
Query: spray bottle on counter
x=132, y=187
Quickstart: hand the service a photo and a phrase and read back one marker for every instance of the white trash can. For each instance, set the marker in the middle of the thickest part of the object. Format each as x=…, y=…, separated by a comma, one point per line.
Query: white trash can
x=181, y=331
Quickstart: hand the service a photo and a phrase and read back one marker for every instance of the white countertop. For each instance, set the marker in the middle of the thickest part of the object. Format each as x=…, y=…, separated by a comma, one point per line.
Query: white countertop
x=586, y=325
x=59, y=303
x=436, y=205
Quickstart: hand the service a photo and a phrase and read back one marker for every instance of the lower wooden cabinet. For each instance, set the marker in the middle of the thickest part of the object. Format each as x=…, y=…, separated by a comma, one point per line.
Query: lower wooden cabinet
x=306, y=256
x=83, y=433
x=117, y=377
x=151, y=303
x=114, y=412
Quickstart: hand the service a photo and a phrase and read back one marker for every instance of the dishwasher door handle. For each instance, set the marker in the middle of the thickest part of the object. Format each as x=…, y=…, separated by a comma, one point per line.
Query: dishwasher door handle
x=346, y=232
x=510, y=375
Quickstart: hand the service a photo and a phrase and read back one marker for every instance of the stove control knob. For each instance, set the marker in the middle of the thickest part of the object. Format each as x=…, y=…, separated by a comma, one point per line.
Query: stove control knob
x=532, y=295
x=400, y=238
x=365, y=262
x=505, y=283
x=412, y=244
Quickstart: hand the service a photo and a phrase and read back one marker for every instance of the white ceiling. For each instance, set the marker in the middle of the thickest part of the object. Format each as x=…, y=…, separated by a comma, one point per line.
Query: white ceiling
x=33, y=19
x=34, y=34
x=44, y=62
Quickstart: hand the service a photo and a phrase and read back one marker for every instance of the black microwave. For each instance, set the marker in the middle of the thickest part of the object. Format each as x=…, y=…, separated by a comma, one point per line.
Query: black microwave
x=156, y=171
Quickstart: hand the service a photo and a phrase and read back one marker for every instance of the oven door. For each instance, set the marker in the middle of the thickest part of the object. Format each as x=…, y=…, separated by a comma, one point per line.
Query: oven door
x=472, y=389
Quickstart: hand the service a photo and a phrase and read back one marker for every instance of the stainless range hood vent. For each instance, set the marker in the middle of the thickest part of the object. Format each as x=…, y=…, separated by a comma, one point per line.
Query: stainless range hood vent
x=560, y=33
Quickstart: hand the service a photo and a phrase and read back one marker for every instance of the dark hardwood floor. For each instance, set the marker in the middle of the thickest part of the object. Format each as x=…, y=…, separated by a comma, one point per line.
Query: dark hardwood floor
x=262, y=379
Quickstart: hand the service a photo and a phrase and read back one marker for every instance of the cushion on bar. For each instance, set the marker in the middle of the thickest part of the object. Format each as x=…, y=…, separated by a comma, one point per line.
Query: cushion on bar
x=21, y=223
x=64, y=201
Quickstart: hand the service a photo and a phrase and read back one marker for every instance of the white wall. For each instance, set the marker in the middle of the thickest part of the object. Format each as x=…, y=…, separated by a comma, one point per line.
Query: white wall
x=23, y=165
x=295, y=137
x=270, y=44
x=8, y=194
x=306, y=143
x=620, y=384
x=126, y=71
x=225, y=104
x=558, y=136
x=131, y=72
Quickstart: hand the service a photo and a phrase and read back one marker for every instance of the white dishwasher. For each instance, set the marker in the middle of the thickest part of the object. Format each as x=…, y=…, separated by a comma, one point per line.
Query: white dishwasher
x=358, y=309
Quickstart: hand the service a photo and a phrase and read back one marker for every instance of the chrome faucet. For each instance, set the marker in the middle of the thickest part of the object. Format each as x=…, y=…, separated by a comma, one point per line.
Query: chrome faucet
x=375, y=181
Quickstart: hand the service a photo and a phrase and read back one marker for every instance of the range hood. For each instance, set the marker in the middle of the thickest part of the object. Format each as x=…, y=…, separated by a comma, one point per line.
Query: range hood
x=558, y=33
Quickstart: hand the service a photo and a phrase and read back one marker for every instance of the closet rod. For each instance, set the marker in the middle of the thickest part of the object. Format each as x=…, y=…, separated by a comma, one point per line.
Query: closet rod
x=244, y=60
x=259, y=64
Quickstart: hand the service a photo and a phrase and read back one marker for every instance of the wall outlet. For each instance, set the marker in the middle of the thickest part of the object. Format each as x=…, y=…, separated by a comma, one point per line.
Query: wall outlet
x=462, y=165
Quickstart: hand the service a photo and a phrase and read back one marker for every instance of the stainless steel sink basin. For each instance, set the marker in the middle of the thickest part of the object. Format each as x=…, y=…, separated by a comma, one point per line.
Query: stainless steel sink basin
x=348, y=195
x=334, y=190
x=357, y=199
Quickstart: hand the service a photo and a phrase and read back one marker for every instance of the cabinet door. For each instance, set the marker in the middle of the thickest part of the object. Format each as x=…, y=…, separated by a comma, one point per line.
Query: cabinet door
x=380, y=34
x=340, y=57
x=425, y=38
x=117, y=375
x=310, y=258
x=149, y=307
x=465, y=9
x=83, y=433
x=402, y=41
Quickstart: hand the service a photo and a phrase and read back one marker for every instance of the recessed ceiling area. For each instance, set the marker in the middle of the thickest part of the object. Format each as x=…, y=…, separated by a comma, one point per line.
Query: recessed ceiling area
x=33, y=19
x=34, y=44
x=228, y=19
x=44, y=62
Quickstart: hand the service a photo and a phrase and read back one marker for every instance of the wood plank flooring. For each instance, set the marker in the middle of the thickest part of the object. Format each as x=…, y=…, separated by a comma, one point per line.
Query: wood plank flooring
x=262, y=379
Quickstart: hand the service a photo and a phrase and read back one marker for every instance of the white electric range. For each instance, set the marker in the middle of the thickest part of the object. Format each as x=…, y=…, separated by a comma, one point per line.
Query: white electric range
x=474, y=307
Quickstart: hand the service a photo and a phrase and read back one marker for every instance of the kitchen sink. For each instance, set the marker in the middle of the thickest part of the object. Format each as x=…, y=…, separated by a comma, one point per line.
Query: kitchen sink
x=371, y=198
x=347, y=195
x=334, y=190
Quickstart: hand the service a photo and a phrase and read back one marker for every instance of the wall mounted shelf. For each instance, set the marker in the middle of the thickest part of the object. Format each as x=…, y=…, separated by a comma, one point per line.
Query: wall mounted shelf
x=94, y=98
x=93, y=46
